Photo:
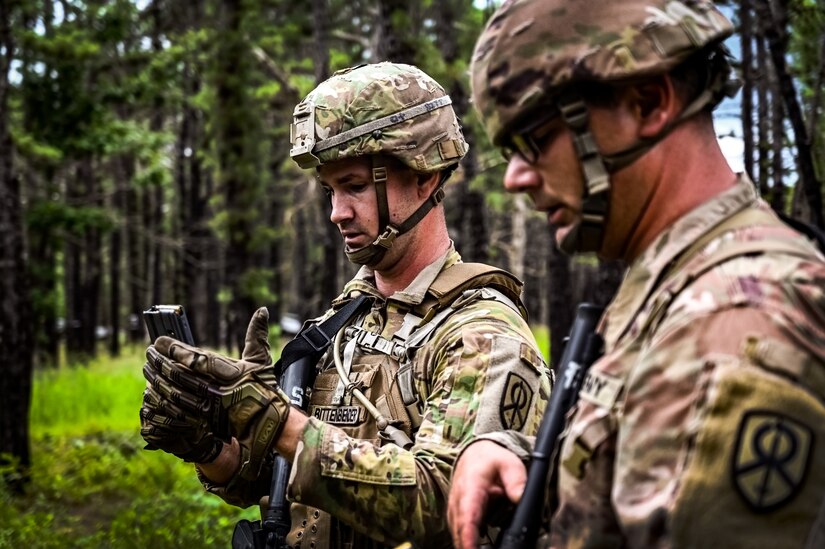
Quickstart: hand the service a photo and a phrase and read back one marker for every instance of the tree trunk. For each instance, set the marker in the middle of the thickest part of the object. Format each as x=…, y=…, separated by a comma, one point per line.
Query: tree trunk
x=15, y=314
x=115, y=253
x=746, y=28
x=135, y=263
x=395, y=36
x=774, y=26
x=517, y=248
x=330, y=284
x=763, y=146
x=235, y=130
x=777, y=120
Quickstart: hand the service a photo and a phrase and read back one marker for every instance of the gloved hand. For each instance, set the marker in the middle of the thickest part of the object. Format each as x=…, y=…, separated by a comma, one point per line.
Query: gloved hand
x=164, y=426
x=240, y=398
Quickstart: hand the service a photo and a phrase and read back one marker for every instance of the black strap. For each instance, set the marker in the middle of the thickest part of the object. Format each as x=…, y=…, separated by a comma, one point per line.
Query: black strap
x=811, y=231
x=316, y=338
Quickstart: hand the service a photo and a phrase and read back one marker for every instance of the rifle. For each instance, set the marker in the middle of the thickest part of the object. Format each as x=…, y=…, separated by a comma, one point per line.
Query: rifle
x=297, y=375
x=583, y=347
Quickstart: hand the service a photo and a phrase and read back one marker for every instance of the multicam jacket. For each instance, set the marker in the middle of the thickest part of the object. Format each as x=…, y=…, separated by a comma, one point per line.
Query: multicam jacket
x=704, y=422
x=479, y=371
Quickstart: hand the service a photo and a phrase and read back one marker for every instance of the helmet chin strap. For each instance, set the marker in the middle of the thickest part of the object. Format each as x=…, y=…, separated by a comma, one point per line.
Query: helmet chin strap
x=371, y=254
x=588, y=234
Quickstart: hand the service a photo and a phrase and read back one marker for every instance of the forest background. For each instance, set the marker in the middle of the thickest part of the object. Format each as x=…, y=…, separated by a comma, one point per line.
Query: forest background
x=144, y=159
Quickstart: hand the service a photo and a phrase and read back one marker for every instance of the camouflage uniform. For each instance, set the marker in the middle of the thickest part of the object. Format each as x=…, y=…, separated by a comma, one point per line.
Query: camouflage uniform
x=705, y=418
x=478, y=370
x=704, y=422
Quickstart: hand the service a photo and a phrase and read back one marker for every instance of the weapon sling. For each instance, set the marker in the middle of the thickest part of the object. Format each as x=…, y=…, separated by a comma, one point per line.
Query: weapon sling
x=296, y=367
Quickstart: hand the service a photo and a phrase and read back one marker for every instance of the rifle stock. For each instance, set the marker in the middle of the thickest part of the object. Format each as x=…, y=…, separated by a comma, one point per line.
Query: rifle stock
x=583, y=347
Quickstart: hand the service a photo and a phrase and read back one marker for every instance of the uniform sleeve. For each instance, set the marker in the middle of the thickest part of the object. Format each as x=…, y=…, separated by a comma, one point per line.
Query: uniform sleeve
x=392, y=494
x=518, y=443
x=723, y=432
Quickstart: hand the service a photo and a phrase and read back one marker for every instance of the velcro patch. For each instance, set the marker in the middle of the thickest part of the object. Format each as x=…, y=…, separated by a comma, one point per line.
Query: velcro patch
x=600, y=389
x=771, y=459
x=515, y=402
x=338, y=415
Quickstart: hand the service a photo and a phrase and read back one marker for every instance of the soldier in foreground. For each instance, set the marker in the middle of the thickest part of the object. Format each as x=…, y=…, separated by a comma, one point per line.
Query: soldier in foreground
x=704, y=422
x=442, y=354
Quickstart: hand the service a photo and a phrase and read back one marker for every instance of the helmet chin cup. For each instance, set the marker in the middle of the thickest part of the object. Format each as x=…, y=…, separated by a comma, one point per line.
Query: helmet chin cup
x=373, y=253
x=585, y=236
x=369, y=255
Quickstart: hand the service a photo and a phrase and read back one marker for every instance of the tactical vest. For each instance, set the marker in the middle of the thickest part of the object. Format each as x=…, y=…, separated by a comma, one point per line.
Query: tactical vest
x=383, y=369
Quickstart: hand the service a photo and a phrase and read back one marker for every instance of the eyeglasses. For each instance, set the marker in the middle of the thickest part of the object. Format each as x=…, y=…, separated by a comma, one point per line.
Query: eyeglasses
x=528, y=143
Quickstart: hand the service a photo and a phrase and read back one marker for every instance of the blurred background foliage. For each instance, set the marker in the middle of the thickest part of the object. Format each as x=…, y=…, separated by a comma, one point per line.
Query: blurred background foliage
x=144, y=159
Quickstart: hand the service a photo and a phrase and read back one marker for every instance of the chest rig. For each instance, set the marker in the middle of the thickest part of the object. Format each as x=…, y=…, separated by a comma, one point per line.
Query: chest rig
x=382, y=367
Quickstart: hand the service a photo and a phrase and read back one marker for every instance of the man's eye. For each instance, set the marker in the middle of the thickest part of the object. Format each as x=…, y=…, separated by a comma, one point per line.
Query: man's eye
x=358, y=187
x=327, y=192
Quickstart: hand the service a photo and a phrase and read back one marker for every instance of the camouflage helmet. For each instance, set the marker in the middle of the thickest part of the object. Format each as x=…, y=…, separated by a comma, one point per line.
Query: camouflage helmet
x=532, y=55
x=531, y=50
x=383, y=108
x=373, y=110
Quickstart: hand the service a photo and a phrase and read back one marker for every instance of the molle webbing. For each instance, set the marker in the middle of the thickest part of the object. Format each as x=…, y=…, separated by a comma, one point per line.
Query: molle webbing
x=454, y=287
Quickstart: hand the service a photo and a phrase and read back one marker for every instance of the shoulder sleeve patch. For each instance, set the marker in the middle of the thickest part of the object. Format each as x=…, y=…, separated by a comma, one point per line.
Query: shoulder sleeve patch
x=508, y=399
x=771, y=459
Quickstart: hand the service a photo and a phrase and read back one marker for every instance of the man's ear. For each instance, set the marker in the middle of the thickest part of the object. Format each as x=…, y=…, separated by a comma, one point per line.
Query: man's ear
x=655, y=103
x=427, y=183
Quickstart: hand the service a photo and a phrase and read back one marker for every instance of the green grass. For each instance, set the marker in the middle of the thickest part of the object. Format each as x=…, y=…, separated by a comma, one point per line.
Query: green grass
x=93, y=485
x=542, y=335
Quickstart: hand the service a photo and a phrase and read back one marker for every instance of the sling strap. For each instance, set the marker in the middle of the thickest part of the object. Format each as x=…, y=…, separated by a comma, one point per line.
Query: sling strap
x=316, y=338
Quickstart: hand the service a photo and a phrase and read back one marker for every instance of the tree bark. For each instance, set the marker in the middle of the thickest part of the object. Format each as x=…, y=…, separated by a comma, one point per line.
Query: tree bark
x=15, y=313
x=116, y=253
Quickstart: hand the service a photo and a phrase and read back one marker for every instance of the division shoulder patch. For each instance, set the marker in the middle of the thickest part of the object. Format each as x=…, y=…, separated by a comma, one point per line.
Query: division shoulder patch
x=515, y=402
x=770, y=459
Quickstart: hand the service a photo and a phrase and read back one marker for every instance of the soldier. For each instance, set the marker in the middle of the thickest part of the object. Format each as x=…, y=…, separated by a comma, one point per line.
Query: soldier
x=704, y=422
x=443, y=354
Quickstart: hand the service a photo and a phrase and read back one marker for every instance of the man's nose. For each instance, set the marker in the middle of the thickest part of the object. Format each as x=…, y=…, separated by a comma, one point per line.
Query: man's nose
x=520, y=176
x=341, y=210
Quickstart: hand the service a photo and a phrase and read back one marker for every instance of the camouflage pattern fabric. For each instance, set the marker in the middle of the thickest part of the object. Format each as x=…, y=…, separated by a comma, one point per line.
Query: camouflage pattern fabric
x=532, y=49
x=354, y=97
x=704, y=423
x=479, y=372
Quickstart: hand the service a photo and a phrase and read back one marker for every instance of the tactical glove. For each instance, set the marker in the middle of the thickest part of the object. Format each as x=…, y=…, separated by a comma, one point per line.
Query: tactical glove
x=164, y=426
x=237, y=398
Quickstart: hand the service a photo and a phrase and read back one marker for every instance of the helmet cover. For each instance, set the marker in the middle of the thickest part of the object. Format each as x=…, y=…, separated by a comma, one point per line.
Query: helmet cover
x=531, y=50
x=383, y=108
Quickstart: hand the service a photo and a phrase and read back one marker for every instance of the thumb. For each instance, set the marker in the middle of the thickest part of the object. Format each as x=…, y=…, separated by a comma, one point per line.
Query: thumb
x=256, y=343
x=514, y=478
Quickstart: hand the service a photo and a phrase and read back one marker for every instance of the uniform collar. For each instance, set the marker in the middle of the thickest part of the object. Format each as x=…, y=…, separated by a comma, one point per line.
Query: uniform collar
x=644, y=274
x=413, y=294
